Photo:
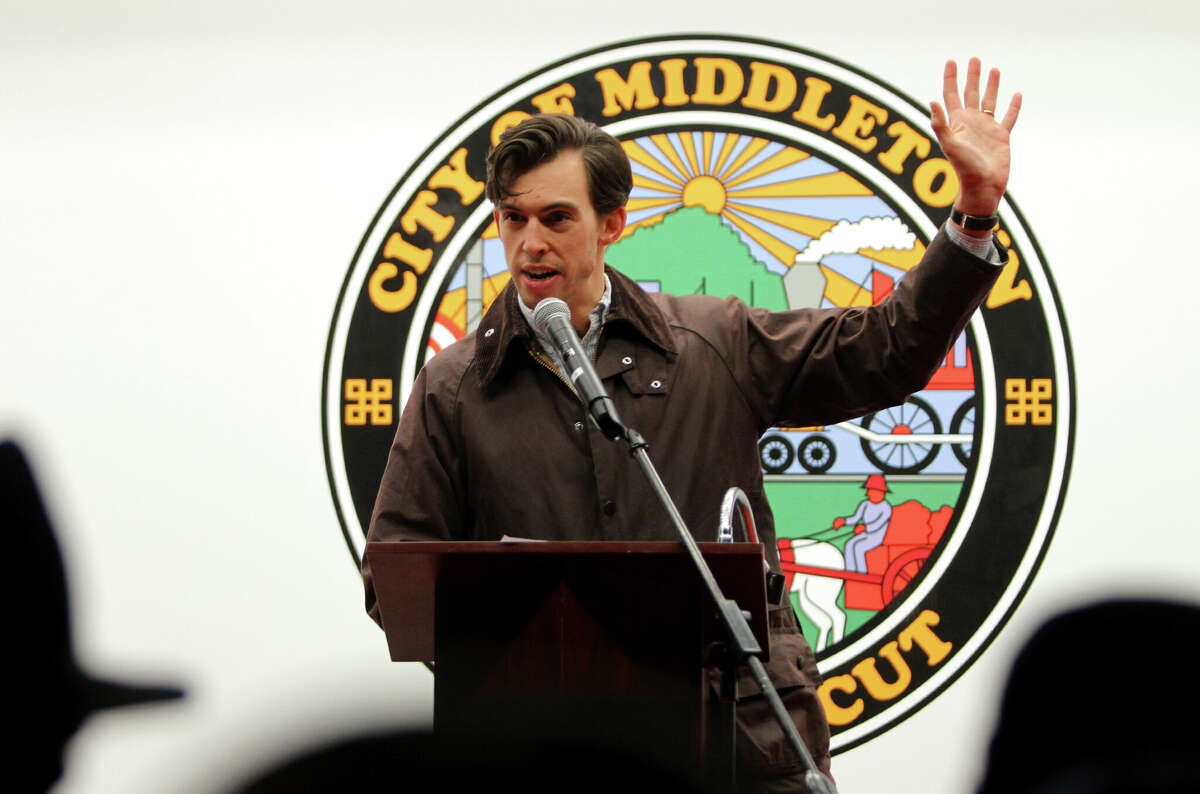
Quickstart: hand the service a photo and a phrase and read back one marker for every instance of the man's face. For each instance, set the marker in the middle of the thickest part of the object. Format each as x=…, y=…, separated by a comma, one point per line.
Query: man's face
x=553, y=241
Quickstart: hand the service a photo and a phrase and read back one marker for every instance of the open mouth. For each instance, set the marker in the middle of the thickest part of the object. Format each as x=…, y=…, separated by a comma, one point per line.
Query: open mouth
x=540, y=275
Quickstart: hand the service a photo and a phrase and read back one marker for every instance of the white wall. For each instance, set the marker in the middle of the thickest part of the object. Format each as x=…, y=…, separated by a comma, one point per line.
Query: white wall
x=182, y=186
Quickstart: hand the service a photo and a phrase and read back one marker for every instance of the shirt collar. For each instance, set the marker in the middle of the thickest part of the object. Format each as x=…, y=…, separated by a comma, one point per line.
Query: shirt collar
x=597, y=318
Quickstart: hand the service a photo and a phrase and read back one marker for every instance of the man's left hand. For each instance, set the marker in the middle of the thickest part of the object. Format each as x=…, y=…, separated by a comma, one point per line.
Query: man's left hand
x=974, y=140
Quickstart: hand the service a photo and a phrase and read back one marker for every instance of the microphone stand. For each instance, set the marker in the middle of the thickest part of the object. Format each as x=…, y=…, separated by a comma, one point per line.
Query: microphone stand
x=554, y=317
x=742, y=647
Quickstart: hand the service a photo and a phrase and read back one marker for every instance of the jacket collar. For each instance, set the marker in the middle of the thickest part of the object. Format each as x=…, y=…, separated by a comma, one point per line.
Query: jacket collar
x=504, y=325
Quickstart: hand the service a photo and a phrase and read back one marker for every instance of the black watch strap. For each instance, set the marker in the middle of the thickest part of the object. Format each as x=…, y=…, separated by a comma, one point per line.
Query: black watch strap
x=974, y=223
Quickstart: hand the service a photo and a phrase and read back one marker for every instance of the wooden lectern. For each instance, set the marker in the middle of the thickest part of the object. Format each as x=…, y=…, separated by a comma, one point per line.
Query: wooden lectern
x=582, y=642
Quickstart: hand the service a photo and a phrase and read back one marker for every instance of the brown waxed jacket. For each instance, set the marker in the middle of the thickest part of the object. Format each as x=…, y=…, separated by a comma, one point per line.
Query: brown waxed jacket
x=492, y=441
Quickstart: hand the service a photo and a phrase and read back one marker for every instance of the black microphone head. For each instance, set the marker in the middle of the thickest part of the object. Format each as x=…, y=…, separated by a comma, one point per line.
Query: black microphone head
x=547, y=308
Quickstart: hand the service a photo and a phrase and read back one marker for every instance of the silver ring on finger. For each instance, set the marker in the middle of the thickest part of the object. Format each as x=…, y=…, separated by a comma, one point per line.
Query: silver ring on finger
x=990, y=112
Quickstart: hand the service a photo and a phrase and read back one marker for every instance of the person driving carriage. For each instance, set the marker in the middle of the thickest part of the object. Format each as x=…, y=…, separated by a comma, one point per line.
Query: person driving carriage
x=874, y=514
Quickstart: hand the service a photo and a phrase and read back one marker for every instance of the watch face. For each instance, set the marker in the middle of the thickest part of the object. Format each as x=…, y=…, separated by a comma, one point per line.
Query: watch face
x=788, y=179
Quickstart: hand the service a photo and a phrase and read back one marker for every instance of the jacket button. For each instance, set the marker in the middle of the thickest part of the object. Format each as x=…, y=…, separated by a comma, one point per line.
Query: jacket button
x=579, y=427
x=627, y=361
x=610, y=507
x=656, y=384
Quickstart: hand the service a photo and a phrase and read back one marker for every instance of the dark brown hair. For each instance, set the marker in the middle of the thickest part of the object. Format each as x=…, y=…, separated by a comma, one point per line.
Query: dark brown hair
x=539, y=139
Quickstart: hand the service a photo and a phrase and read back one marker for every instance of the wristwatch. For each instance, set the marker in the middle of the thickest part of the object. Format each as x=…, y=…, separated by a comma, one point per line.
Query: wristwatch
x=973, y=223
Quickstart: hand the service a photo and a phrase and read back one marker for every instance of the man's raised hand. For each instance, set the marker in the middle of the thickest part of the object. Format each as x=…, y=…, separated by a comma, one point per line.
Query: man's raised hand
x=974, y=140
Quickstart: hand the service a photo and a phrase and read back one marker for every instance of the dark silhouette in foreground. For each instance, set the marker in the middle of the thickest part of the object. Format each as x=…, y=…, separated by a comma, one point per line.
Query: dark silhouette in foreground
x=51, y=693
x=1101, y=700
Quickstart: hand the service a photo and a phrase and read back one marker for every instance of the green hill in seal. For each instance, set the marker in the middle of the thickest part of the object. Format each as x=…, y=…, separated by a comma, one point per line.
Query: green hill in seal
x=691, y=252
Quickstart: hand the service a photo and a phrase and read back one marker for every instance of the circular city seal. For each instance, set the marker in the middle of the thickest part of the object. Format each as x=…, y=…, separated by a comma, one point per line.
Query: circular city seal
x=788, y=179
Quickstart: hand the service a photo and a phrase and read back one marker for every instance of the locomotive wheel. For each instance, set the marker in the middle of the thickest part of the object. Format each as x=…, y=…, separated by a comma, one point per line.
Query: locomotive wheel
x=913, y=417
x=817, y=454
x=963, y=421
x=776, y=454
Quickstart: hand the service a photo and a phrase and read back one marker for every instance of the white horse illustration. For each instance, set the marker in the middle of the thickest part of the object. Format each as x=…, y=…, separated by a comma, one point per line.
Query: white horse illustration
x=818, y=595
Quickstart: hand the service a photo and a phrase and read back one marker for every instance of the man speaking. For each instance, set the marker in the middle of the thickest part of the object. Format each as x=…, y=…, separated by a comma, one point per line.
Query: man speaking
x=495, y=440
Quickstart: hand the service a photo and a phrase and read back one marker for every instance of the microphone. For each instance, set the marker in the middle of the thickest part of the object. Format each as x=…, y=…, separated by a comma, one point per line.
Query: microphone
x=553, y=318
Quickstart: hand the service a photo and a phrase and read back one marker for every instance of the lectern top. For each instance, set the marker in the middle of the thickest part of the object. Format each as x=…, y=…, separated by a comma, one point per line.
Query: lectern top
x=410, y=574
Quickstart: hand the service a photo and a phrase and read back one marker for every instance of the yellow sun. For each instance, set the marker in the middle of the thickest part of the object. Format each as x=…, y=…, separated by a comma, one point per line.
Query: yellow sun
x=705, y=191
x=718, y=173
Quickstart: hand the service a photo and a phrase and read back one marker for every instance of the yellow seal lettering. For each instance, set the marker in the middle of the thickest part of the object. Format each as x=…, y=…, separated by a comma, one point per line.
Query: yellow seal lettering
x=907, y=142
x=556, y=100
x=628, y=93
x=840, y=715
x=732, y=81
x=815, y=91
x=762, y=76
x=422, y=213
x=920, y=632
x=672, y=71
x=927, y=186
x=859, y=121
x=399, y=248
x=877, y=688
x=397, y=300
x=454, y=175
x=510, y=119
x=391, y=300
